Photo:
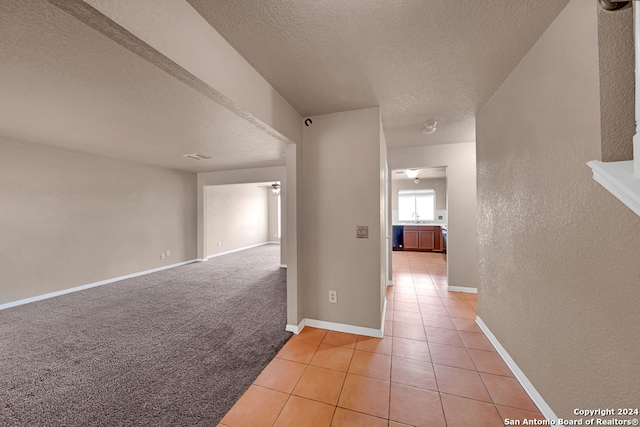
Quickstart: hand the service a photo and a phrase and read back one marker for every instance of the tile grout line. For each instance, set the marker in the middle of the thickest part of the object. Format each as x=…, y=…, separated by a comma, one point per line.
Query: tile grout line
x=411, y=288
x=444, y=414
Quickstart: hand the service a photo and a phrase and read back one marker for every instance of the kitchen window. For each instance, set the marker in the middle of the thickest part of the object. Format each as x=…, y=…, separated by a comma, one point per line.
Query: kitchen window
x=418, y=202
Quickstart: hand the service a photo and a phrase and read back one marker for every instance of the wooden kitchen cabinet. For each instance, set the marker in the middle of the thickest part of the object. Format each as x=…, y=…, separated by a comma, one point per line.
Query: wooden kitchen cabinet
x=423, y=238
x=427, y=238
x=411, y=238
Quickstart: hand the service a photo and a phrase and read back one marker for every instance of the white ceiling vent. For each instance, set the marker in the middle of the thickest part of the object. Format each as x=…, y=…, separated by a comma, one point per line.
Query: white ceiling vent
x=197, y=156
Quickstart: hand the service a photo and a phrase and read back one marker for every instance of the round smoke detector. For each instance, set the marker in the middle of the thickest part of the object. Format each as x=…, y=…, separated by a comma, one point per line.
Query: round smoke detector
x=429, y=127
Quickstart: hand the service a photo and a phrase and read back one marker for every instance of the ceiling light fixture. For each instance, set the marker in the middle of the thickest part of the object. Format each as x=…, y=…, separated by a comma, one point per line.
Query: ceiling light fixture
x=275, y=189
x=197, y=156
x=411, y=173
x=429, y=127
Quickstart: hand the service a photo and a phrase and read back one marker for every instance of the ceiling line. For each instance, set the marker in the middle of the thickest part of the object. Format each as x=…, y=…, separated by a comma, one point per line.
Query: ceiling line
x=93, y=18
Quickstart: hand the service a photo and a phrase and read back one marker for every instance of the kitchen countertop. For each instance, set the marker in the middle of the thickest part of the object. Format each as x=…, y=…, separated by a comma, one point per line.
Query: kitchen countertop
x=421, y=223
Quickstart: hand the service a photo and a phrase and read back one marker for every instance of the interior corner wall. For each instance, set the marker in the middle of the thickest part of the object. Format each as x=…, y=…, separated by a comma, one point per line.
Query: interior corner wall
x=559, y=271
x=460, y=160
x=341, y=190
x=292, y=234
x=617, y=83
x=272, y=231
x=237, y=217
x=385, y=221
x=69, y=219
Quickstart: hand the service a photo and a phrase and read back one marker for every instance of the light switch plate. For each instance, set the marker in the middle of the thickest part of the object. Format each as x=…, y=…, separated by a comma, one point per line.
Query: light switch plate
x=362, y=231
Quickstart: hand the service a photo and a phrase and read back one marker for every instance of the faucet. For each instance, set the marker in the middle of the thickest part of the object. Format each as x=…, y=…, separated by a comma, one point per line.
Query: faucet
x=415, y=214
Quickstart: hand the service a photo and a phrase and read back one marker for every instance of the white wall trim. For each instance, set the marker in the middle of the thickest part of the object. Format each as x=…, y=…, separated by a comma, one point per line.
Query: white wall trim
x=389, y=282
x=283, y=265
x=341, y=327
x=620, y=180
x=273, y=243
x=236, y=250
x=545, y=409
x=461, y=289
x=384, y=317
x=296, y=328
x=338, y=327
x=91, y=285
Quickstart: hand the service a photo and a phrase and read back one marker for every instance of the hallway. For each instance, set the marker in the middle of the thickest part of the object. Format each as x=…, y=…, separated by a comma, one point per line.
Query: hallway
x=434, y=367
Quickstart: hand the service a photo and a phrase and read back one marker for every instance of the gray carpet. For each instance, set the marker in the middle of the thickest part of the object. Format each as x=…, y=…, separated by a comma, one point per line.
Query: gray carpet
x=173, y=348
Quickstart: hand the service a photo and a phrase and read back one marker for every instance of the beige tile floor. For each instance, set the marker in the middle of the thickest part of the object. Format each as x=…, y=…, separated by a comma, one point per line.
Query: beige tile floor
x=434, y=367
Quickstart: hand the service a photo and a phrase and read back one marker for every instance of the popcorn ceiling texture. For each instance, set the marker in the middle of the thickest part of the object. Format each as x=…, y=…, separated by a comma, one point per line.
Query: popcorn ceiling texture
x=65, y=84
x=558, y=255
x=417, y=60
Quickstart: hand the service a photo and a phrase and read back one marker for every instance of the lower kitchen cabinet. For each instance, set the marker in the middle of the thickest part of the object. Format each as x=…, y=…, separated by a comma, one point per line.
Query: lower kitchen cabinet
x=427, y=239
x=411, y=238
x=422, y=238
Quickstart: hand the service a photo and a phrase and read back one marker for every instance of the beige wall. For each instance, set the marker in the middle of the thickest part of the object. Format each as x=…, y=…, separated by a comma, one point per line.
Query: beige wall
x=272, y=232
x=437, y=184
x=559, y=268
x=460, y=160
x=385, y=219
x=240, y=176
x=69, y=219
x=237, y=216
x=292, y=198
x=341, y=176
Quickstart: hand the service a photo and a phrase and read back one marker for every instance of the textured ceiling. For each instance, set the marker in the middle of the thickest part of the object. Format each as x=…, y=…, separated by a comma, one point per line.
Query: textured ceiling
x=66, y=85
x=418, y=59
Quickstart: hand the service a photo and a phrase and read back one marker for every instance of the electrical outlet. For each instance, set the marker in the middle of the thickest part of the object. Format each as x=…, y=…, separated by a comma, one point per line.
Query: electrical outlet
x=168, y=252
x=333, y=297
x=162, y=255
x=219, y=243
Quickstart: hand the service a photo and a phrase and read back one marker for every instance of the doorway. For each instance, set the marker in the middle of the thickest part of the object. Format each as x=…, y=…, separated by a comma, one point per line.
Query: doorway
x=241, y=216
x=419, y=211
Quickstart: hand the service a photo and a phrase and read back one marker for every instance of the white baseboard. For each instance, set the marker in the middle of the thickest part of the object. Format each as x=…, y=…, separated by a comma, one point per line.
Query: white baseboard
x=545, y=409
x=296, y=328
x=236, y=250
x=389, y=282
x=283, y=265
x=273, y=243
x=461, y=289
x=338, y=327
x=91, y=285
x=384, y=317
